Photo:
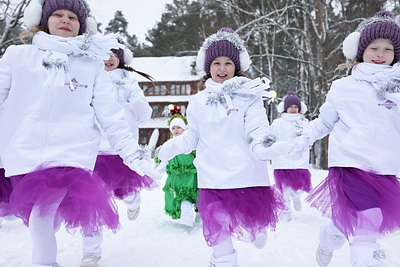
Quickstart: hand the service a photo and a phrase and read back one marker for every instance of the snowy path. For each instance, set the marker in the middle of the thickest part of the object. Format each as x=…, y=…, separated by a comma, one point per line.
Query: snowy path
x=154, y=241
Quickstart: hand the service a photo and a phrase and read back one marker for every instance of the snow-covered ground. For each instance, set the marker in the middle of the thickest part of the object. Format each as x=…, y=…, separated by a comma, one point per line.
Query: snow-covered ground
x=153, y=240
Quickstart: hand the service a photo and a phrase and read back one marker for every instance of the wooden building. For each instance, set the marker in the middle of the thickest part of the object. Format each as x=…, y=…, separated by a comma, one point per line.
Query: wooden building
x=177, y=79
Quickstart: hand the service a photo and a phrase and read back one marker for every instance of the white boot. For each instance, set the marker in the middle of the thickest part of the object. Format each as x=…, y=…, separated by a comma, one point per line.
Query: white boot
x=91, y=246
x=90, y=261
x=229, y=260
x=187, y=214
x=366, y=254
x=330, y=239
x=133, y=203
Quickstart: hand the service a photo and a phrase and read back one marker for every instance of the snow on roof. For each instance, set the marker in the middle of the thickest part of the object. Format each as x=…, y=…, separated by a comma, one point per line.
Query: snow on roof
x=155, y=123
x=165, y=69
x=168, y=98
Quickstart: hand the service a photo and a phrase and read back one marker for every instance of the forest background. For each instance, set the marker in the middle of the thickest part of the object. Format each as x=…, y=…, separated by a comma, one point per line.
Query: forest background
x=295, y=43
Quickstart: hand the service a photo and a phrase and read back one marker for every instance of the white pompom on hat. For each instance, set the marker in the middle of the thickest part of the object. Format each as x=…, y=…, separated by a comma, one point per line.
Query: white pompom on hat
x=128, y=56
x=125, y=56
x=33, y=13
x=350, y=45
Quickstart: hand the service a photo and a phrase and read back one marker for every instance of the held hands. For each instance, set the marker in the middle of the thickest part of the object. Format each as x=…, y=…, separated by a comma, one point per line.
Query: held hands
x=162, y=167
x=142, y=167
x=275, y=150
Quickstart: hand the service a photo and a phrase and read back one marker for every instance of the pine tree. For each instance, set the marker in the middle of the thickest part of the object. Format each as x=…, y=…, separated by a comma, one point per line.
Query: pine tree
x=120, y=25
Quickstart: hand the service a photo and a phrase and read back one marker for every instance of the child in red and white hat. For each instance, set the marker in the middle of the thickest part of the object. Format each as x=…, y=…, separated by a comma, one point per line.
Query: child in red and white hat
x=180, y=188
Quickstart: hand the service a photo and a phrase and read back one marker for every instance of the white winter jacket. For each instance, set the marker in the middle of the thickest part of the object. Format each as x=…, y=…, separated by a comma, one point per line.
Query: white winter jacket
x=364, y=129
x=287, y=128
x=54, y=125
x=131, y=97
x=223, y=156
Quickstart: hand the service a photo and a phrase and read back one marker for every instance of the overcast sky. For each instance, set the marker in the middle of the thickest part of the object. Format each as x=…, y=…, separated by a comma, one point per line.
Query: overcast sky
x=142, y=15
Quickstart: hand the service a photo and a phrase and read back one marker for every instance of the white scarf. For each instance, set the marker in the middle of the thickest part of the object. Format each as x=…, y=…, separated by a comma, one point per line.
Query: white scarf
x=385, y=79
x=219, y=102
x=57, y=49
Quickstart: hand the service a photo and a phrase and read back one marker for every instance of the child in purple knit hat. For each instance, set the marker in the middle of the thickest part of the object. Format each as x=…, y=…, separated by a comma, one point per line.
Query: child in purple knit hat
x=292, y=177
x=52, y=139
x=361, y=194
x=228, y=128
x=124, y=183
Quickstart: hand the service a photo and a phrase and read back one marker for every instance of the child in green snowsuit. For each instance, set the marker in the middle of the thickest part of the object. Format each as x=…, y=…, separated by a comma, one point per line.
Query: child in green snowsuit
x=181, y=185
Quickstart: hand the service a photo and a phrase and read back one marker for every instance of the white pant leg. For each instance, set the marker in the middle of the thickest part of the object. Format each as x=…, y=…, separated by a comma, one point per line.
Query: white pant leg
x=223, y=248
x=187, y=213
x=368, y=224
x=132, y=201
x=286, y=196
x=43, y=229
x=91, y=245
x=295, y=194
x=224, y=255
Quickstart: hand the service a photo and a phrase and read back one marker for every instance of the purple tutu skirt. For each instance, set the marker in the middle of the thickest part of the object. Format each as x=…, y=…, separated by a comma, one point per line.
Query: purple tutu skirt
x=5, y=192
x=297, y=179
x=85, y=201
x=6, y=187
x=241, y=212
x=348, y=190
x=119, y=178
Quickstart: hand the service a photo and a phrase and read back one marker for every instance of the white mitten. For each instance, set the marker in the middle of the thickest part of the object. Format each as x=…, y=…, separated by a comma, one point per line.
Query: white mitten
x=168, y=150
x=142, y=167
x=162, y=167
x=275, y=150
x=135, y=166
x=301, y=145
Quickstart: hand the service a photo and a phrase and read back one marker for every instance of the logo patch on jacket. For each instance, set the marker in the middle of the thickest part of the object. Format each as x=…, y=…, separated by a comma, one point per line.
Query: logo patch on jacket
x=388, y=104
x=77, y=84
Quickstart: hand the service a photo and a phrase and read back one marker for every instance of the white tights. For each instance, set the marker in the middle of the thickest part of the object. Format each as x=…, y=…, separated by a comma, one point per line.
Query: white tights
x=223, y=248
x=368, y=224
x=43, y=230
